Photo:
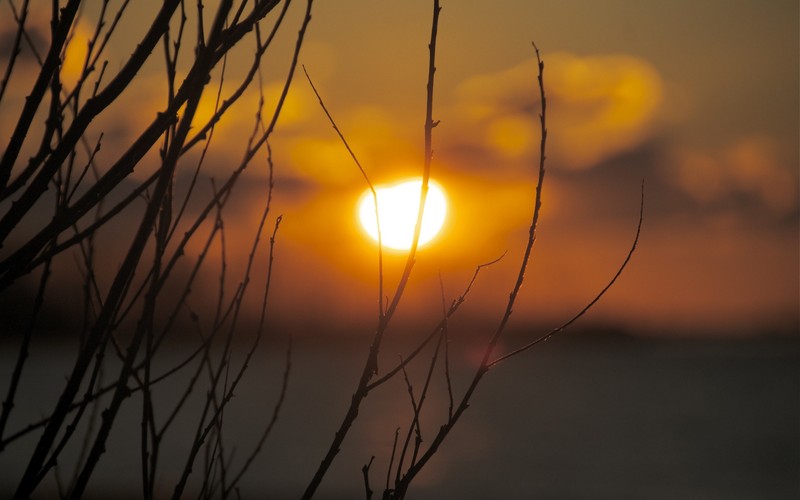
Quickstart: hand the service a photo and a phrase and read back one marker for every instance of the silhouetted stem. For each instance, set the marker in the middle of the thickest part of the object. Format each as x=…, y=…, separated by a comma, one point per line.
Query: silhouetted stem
x=403, y=484
x=371, y=365
x=22, y=355
x=148, y=223
x=371, y=189
x=91, y=109
x=15, y=49
x=588, y=306
x=50, y=66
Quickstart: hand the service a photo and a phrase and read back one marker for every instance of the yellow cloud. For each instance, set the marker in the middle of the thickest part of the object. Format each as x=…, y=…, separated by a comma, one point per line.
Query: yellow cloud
x=611, y=103
x=297, y=107
x=318, y=154
x=512, y=136
x=599, y=106
x=323, y=160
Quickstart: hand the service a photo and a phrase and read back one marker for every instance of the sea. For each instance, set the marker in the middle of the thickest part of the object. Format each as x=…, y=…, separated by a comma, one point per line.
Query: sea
x=610, y=418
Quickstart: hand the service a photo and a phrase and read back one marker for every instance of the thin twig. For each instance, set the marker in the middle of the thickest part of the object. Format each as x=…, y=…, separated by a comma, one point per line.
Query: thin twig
x=371, y=364
x=588, y=306
x=15, y=49
x=371, y=188
x=446, y=339
x=365, y=473
x=391, y=458
x=444, y=431
x=262, y=325
x=50, y=66
x=437, y=329
x=200, y=438
x=413, y=428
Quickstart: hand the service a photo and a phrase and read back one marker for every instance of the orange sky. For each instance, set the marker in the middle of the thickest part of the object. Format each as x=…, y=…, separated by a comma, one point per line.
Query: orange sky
x=698, y=99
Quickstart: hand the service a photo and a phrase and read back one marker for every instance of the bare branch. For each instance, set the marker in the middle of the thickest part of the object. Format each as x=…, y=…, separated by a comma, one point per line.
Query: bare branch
x=371, y=188
x=371, y=365
x=15, y=49
x=37, y=92
x=365, y=472
x=588, y=306
x=403, y=485
x=437, y=329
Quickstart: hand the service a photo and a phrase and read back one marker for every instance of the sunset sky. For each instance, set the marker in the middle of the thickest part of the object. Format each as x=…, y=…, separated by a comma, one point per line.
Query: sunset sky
x=698, y=99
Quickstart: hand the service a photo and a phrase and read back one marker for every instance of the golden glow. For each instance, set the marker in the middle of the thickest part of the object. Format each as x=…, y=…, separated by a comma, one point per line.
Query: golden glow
x=75, y=55
x=606, y=104
x=398, y=205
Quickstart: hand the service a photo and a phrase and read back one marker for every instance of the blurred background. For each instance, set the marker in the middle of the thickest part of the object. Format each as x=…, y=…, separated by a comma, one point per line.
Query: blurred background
x=682, y=382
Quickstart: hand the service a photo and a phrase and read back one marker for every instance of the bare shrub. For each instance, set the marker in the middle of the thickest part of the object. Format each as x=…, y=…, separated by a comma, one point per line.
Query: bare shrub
x=62, y=202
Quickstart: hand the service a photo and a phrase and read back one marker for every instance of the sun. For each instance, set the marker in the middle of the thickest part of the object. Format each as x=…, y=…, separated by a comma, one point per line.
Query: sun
x=397, y=210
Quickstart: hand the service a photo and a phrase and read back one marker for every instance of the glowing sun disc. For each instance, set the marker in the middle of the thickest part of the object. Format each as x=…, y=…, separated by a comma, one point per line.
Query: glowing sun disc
x=397, y=210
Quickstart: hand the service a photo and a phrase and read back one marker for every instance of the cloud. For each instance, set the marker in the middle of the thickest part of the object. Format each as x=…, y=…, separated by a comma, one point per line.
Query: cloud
x=316, y=152
x=599, y=106
x=36, y=30
x=750, y=168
